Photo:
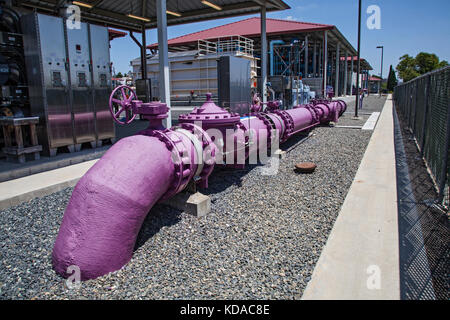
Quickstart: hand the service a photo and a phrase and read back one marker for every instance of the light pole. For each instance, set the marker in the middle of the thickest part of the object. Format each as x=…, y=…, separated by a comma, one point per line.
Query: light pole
x=382, y=53
x=358, y=62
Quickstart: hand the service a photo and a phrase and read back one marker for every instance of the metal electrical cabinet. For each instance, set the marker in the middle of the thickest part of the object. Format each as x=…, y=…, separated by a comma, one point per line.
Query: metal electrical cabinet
x=101, y=81
x=70, y=81
x=81, y=78
x=47, y=71
x=234, y=84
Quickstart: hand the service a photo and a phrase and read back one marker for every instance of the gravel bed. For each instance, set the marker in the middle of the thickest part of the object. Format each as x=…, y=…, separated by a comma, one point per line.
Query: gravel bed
x=261, y=240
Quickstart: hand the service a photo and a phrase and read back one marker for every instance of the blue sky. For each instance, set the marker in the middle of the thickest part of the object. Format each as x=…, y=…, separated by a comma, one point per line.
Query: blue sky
x=407, y=27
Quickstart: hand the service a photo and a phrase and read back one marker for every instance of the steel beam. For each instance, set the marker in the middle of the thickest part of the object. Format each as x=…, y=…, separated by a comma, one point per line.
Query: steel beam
x=306, y=57
x=358, y=61
x=315, y=60
x=144, y=54
x=336, y=83
x=351, y=75
x=163, y=54
x=346, y=73
x=263, y=54
x=325, y=62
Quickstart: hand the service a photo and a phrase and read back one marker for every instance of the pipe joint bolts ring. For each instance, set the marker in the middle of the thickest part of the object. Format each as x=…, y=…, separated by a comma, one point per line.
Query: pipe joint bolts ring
x=182, y=167
x=289, y=123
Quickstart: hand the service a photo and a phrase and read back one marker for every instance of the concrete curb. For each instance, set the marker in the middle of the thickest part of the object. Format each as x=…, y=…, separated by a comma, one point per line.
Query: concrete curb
x=14, y=192
x=361, y=257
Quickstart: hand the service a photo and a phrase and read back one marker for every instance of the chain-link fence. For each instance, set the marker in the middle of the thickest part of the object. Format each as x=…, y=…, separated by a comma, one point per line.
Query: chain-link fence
x=425, y=104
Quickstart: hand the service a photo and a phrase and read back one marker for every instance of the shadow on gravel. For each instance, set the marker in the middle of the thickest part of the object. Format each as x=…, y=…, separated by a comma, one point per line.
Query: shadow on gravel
x=158, y=217
x=221, y=179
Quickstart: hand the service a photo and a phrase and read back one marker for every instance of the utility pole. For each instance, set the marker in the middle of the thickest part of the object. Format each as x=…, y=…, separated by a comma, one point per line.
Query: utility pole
x=359, y=64
x=381, y=74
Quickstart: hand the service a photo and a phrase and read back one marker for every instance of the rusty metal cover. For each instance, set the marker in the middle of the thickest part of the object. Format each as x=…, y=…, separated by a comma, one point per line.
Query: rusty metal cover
x=305, y=167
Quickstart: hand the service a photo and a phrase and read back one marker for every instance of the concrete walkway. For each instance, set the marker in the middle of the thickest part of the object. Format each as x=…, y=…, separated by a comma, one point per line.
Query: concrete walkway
x=20, y=190
x=346, y=99
x=361, y=257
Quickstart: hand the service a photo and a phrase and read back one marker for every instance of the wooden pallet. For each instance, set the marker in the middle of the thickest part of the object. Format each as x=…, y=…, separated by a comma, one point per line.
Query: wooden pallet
x=12, y=133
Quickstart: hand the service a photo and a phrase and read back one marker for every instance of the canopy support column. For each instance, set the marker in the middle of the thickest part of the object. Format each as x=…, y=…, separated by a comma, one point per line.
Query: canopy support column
x=336, y=83
x=163, y=54
x=306, y=57
x=325, y=62
x=346, y=73
x=263, y=54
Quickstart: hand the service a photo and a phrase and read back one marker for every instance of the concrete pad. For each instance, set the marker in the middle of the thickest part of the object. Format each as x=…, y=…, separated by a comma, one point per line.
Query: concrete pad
x=349, y=127
x=14, y=192
x=361, y=257
x=371, y=122
x=346, y=99
x=280, y=154
x=196, y=204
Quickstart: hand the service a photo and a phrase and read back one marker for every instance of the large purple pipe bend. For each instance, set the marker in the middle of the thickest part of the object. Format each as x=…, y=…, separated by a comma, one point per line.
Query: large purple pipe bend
x=110, y=202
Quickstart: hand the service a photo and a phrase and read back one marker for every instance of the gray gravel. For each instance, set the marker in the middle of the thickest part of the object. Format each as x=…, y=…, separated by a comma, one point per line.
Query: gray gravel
x=261, y=240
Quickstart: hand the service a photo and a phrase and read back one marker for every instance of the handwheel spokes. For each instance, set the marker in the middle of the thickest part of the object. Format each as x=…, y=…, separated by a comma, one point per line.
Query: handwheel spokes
x=117, y=114
x=119, y=102
x=124, y=96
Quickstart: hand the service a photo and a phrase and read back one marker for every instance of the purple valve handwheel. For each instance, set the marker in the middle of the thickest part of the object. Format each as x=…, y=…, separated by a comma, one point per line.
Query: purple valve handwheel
x=124, y=104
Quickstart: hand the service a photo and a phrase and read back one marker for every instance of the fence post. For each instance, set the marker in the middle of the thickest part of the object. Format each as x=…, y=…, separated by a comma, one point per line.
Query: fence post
x=424, y=126
x=445, y=160
x=413, y=121
x=410, y=103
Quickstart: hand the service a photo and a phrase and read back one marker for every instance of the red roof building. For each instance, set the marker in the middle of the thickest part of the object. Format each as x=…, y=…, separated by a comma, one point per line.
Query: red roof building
x=249, y=28
x=113, y=34
x=313, y=39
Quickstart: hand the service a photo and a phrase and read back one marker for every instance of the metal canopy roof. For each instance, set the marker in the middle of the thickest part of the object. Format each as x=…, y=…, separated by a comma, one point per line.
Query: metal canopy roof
x=114, y=13
x=365, y=65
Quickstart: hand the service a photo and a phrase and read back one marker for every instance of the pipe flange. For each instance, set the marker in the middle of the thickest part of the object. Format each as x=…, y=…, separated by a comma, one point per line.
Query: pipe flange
x=182, y=164
x=313, y=111
x=289, y=124
x=268, y=125
x=209, y=150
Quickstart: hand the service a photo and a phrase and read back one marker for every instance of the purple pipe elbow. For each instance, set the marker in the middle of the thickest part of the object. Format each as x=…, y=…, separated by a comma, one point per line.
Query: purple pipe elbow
x=109, y=204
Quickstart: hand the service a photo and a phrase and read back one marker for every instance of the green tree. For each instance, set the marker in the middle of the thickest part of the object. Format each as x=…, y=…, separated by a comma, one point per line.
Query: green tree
x=119, y=75
x=392, y=79
x=410, y=68
x=407, y=68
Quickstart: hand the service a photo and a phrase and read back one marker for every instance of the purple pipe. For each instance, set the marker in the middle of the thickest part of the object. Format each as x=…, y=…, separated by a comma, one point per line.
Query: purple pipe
x=303, y=118
x=110, y=202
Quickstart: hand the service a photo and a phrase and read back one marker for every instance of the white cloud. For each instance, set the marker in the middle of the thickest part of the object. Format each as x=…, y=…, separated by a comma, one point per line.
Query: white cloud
x=291, y=18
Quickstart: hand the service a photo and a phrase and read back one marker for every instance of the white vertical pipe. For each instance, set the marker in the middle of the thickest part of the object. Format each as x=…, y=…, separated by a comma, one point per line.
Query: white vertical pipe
x=163, y=48
x=263, y=54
